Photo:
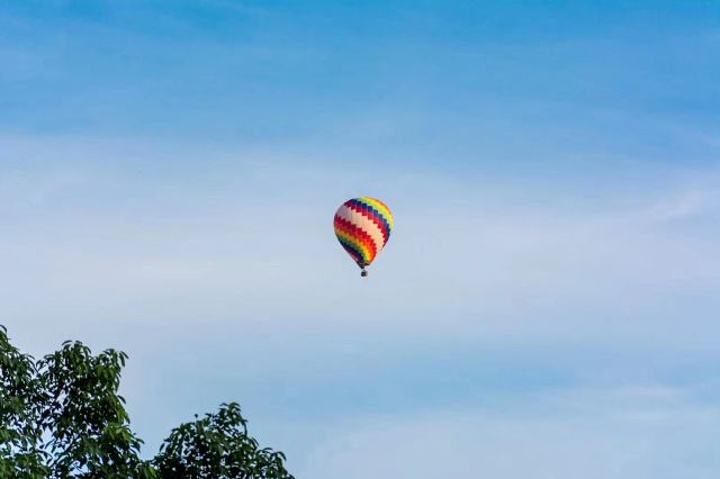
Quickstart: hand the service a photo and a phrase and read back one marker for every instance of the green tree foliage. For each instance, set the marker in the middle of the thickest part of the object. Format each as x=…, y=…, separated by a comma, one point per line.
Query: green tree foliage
x=61, y=417
x=218, y=446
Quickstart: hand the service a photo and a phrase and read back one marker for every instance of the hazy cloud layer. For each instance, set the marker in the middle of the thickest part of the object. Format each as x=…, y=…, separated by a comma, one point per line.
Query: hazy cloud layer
x=640, y=433
x=223, y=281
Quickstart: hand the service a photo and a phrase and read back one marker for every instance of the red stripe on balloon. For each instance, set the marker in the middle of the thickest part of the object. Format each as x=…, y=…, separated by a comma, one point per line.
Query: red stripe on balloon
x=357, y=233
x=371, y=217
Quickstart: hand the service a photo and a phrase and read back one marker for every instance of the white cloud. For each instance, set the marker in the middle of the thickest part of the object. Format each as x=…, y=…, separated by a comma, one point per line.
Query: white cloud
x=690, y=204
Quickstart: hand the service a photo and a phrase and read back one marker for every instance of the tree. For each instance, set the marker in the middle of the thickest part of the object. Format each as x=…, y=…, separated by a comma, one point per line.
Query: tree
x=61, y=417
x=218, y=446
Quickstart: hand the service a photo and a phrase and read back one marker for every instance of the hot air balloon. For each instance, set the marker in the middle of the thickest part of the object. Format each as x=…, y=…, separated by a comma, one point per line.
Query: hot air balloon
x=363, y=226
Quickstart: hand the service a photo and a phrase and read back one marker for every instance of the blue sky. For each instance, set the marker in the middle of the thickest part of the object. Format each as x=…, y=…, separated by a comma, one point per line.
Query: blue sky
x=547, y=306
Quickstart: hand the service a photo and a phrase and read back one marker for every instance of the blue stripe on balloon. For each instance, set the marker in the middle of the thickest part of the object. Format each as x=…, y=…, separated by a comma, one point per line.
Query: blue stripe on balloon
x=374, y=212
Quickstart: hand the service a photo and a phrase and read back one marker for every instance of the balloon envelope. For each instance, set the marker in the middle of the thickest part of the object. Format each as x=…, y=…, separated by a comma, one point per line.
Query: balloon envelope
x=363, y=227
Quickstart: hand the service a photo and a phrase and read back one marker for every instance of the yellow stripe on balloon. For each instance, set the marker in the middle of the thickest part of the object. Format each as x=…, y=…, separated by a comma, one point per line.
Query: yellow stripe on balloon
x=384, y=210
x=364, y=250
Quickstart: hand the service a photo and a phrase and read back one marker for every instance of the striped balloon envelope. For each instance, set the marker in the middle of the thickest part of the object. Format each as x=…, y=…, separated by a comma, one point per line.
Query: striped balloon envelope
x=363, y=227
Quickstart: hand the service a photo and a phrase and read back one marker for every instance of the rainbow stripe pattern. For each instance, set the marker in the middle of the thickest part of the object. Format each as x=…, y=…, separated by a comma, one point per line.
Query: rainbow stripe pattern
x=363, y=227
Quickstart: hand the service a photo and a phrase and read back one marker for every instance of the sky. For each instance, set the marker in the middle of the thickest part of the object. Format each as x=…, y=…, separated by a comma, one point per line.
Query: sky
x=546, y=307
